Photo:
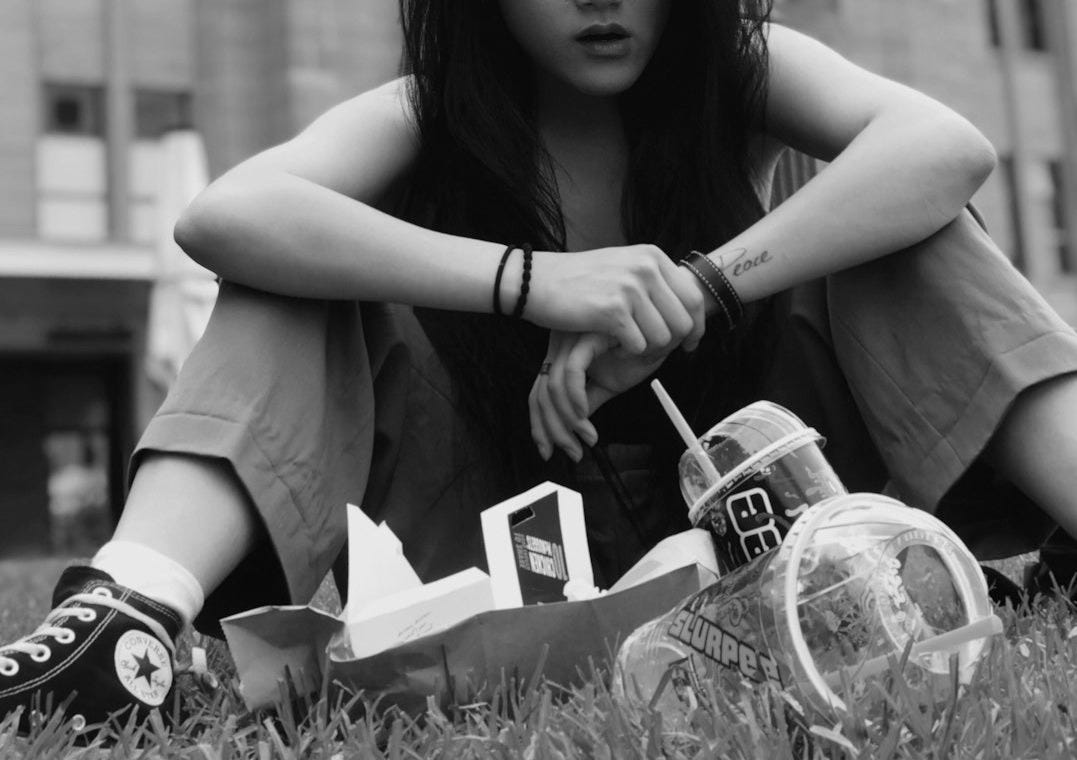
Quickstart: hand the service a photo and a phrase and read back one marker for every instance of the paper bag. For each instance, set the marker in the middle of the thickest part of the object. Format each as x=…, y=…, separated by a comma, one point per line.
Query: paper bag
x=269, y=641
x=536, y=541
x=461, y=663
x=467, y=661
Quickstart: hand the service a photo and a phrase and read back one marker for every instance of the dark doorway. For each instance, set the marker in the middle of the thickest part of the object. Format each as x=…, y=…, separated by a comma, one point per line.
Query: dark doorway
x=64, y=436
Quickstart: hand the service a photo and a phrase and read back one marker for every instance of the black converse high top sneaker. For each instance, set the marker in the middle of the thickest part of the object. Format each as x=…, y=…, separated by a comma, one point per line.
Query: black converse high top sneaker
x=103, y=649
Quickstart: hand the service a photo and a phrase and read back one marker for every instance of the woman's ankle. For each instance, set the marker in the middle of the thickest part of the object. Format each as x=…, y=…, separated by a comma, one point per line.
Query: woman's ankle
x=153, y=575
x=192, y=511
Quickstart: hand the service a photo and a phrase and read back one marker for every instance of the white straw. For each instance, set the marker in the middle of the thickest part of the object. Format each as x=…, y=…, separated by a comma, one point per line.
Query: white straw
x=689, y=437
x=944, y=642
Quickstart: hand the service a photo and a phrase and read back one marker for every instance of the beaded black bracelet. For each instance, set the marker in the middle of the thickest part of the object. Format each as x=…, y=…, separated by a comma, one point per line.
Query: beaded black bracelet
x=497, y=278
x=717, y=284
x=525, y=283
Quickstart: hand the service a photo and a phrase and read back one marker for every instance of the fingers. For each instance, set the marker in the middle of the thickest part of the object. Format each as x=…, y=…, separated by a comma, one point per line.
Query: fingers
x=678, y=320
x=579, y=395
x=634, y=294
x=668, y=311
x=538, y=429
x=654, y=324
x=539, y=434
x=574, y=374
x=547, y=427
x=629, y=336
x=557, y=404
x=691, y=299
x=556, y=393
x=567, y=385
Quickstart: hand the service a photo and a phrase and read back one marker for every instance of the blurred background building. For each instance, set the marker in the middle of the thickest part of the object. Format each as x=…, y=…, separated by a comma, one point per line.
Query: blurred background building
x=92, y=87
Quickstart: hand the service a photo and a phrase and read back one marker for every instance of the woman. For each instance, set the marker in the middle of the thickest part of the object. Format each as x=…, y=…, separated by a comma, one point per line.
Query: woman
x=627, y=133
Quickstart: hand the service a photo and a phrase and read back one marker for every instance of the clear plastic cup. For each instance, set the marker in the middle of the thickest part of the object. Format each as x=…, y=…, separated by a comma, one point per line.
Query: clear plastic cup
x=858, y=579
x=766, y=468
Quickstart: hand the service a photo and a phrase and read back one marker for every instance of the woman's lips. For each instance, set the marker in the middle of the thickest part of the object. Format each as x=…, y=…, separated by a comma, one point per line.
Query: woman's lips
x=605, y=40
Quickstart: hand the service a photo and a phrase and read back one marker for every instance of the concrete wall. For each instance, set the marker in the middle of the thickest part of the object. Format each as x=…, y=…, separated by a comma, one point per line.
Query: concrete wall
x=370, y=43
x=73, y=46
x=162, y=44
x=266, y=68
x=241, y=91
x=339, y=48
x=19, y=109
x=72, y=39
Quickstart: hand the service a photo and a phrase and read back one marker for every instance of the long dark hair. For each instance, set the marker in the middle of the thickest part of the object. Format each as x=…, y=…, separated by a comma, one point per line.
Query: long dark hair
x=482, y=170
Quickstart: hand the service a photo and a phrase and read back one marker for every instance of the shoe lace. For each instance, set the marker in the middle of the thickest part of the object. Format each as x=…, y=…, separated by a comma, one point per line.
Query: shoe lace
x=75, y=606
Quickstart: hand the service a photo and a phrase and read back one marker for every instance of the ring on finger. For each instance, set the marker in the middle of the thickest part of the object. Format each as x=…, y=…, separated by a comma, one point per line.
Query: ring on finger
x=545, y=368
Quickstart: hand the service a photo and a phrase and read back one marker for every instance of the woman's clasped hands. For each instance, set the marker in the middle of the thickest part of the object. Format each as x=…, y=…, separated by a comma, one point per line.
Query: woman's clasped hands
x=615, y=314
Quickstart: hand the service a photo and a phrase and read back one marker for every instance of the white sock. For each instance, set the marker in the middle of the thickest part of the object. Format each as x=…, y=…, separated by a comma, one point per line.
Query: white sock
x=152, y=574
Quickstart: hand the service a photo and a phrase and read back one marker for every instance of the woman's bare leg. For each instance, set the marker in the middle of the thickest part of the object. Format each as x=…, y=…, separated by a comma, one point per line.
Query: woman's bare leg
x=1036, y=448
x=192, y=510
x=186, y=525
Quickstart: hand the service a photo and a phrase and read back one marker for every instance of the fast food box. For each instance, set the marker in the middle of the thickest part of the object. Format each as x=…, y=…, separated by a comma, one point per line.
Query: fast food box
x=457, y=638
x=536, y=543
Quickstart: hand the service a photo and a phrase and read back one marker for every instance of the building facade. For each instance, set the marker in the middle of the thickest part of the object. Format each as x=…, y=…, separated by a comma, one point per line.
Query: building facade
x=90, y=85
x=1006, y=65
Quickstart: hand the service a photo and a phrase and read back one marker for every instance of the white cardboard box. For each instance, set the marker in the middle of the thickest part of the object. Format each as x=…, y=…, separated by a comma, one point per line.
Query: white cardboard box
x=387, y=603
x=535, y=543
x=429, y=608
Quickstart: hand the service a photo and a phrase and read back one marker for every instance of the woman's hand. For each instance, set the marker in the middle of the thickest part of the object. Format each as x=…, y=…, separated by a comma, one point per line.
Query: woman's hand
x=634, y=294
x=584, y=373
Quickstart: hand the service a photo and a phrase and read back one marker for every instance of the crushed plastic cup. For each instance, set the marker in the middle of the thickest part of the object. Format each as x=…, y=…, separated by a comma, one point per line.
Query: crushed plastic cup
x=770, y=468
x=860, y=581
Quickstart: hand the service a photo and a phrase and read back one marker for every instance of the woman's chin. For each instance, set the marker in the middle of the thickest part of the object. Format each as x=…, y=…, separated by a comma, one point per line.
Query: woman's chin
x=600, y=84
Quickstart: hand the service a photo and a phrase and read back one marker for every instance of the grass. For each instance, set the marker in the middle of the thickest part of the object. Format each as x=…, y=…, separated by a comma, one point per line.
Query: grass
x=1019, y=705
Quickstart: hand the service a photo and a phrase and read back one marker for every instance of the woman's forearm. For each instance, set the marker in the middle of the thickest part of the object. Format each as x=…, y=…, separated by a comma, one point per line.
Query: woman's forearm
x=895, y=184
x=277, y=232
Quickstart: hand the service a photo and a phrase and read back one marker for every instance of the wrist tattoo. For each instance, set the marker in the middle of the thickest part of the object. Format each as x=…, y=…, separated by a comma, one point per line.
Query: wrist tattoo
x=739, y=260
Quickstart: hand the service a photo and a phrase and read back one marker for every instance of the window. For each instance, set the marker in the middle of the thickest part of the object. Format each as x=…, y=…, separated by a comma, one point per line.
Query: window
x=73, y=160
x=71, y=163
x=994, y=33
x=1006, y=164
x=1058, y=216
x=1032, y=24
x=1032, y=31
x=158, y=111
x=72, y=109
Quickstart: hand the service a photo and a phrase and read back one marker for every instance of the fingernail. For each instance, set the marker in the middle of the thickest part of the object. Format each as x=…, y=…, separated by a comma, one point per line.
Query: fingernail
x=590, y=437
x=544, y=451
x=576, y=454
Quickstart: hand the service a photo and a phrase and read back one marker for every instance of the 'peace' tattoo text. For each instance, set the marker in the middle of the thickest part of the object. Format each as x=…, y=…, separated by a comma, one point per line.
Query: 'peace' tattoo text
x=739, y=261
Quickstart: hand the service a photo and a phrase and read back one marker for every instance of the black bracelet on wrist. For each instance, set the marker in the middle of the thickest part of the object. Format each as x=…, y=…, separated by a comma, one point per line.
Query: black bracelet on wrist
x=525, y=283
x=737, y=303
x=717, y=284
x=497, y=279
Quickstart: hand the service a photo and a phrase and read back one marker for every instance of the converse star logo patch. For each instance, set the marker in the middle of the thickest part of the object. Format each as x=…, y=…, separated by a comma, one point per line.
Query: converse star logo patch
x=143, y=667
